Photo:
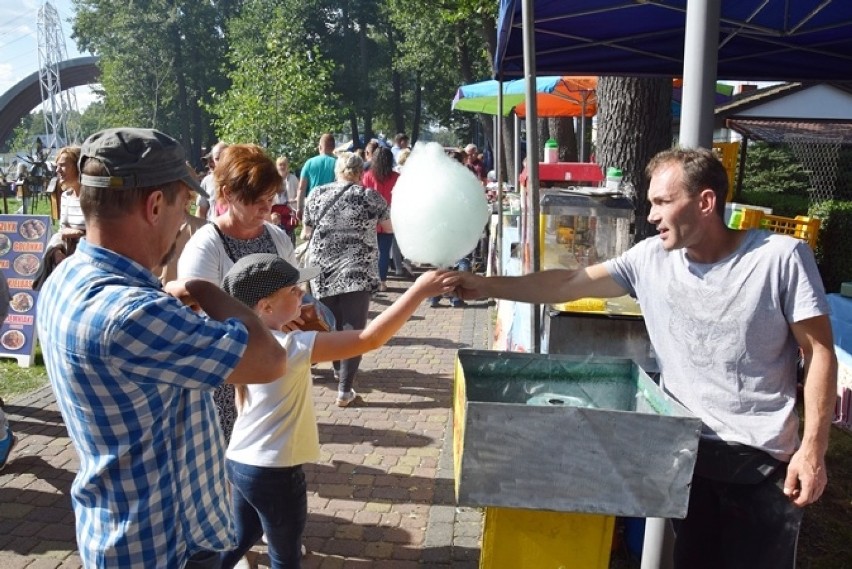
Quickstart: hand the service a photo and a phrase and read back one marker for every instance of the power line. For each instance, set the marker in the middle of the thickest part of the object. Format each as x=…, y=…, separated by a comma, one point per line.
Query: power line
x=23, y=37
x=8, y=23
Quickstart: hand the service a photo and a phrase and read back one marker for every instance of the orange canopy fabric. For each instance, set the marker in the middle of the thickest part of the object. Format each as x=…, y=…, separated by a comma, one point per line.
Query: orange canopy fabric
x=557, y=97
x=567, y=97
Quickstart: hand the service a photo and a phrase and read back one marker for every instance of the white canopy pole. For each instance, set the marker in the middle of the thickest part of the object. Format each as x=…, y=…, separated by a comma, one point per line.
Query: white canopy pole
x=516, y=145
x=528, y=19
x=700, y=59
x=498, y=167
x=584, y=96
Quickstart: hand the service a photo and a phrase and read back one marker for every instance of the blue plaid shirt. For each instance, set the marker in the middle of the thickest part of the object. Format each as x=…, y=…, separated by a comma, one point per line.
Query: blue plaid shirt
x=134, y=372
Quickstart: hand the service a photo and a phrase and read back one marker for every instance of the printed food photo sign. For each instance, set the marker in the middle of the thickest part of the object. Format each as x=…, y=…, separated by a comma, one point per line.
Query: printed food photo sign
x=23, y=240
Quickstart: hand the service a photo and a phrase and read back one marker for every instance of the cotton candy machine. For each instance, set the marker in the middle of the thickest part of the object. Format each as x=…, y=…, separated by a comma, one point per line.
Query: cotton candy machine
x=569, y=434
x=583, y=226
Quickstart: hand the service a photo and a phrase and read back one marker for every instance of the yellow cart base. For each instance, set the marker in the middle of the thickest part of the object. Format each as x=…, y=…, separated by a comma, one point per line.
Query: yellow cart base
x=518, y=539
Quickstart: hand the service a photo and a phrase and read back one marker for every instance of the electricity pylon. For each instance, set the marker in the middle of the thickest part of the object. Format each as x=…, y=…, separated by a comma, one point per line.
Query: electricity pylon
x=56, y=103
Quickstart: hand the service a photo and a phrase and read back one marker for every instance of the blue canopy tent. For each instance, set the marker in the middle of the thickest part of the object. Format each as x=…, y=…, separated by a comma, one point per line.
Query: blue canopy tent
x=700, y=40
x=753, y=40
x=769, y=40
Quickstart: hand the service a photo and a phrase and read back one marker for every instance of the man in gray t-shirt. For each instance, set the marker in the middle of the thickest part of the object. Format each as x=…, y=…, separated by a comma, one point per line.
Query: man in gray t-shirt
x=726, y=311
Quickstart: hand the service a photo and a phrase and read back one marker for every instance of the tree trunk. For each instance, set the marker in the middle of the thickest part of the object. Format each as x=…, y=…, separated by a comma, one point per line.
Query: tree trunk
x=396, y=86
x=353, y=125
x=634, y=124
x=367, y=91
x=562, y=130
x=510, y=139
x=584, y=136
x=180, y=76
x=418, y=107
x=368, y=126
x=543, y=135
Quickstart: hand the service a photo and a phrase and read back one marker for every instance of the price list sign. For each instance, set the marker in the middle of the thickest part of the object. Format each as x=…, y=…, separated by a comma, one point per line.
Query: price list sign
x=23, y=240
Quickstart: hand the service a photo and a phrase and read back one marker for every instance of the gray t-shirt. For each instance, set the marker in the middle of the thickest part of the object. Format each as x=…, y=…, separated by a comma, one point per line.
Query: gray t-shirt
x=721, y=332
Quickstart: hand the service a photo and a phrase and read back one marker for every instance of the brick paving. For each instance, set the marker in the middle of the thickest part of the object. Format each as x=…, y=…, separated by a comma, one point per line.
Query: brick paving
x=381, y=495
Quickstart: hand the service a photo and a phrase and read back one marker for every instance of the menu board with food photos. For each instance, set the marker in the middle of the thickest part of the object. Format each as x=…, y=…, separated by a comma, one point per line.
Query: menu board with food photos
x=23, y=240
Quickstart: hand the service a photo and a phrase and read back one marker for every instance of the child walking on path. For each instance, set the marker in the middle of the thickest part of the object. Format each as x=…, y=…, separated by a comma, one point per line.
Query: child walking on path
x=276, y=429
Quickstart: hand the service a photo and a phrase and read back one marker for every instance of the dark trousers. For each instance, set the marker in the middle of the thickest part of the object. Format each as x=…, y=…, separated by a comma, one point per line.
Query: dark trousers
x=350, y=311
x=271, y=501
x=204, y=560
x=396, y=257
x=738, y=526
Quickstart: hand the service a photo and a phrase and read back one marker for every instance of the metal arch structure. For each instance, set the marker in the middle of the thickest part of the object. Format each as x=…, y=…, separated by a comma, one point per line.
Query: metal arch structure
x=25, y=95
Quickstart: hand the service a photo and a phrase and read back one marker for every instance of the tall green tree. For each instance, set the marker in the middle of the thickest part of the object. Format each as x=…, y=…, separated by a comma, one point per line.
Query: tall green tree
x=280, y=94
x=93, y=119
x=350, y=66
x=347, y=35
x=159, y=61
x=454, y=48
x=21, y=138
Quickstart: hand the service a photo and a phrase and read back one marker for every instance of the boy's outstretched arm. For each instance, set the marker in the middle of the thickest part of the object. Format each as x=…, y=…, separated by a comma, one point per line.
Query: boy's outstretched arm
x=331, y=346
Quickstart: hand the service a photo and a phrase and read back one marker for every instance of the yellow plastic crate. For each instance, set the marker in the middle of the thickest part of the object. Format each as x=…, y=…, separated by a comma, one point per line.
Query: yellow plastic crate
x=800, y=227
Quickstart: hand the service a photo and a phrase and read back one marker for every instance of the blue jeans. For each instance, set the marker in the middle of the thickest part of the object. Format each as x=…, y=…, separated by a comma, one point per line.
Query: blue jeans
x=271, y=501
x=385, y=241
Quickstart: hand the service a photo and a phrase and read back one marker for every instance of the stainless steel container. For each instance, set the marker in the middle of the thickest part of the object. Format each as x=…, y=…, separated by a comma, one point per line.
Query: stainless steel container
x=569, y=434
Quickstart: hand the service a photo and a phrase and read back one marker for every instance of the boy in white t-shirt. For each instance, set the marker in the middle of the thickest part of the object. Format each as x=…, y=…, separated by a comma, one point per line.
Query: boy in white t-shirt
x=276, y=430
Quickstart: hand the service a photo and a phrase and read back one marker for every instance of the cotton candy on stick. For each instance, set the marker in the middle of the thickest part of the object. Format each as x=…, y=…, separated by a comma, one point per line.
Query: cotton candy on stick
x=439, y=208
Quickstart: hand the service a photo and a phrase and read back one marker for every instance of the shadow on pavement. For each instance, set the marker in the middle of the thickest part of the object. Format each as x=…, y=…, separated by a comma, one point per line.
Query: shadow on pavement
x=442, y=343
x=353, y=434
x=35, y=420
x=35, y=515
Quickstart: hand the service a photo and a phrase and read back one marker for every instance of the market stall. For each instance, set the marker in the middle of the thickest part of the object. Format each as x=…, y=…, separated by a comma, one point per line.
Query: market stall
x=692, y=38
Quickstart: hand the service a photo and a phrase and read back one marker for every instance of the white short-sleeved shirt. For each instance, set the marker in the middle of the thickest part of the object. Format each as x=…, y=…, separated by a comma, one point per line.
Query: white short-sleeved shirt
x=277, y=426
x=205, y=256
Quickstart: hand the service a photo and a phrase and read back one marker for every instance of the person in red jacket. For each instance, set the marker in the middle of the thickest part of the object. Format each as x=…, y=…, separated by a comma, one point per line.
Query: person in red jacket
x=382, y=178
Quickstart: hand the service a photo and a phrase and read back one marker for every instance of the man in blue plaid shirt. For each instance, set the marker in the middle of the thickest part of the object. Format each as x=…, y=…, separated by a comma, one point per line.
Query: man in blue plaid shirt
x=134, y=366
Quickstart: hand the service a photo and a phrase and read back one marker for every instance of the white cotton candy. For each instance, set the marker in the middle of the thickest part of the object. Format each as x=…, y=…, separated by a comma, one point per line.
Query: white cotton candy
x=439, y=208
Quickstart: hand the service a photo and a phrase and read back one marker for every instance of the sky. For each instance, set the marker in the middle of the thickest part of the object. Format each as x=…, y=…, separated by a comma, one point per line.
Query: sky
x=19, y=42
